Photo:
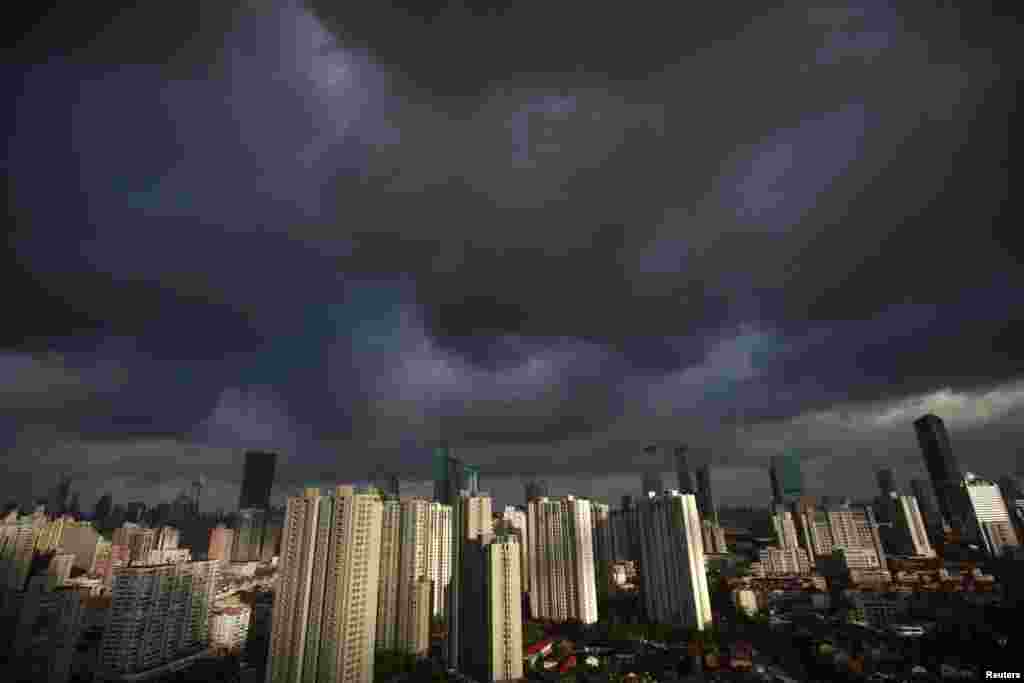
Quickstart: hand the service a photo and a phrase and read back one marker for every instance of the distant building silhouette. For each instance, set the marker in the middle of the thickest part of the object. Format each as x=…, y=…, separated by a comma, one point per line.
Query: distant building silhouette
x=683, y=470
x=536, y=488
x=705, y=498
x=257, y=480
x=786, y=477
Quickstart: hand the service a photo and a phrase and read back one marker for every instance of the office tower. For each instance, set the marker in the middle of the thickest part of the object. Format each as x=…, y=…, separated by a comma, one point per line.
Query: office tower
x=157, y=614
x=248, y=527
x=886, y=482
x=440, y=555
x=705, y=500
x=197, y=494
x=471, y=479
x=536, y=489
x=390, y=555
x=257, y=480
x=947, y=479
x=785, y=527
x=787, y=478
x=674, y=578
x=493, y=643
x=414, y=558
x=562, y=576
x=103, y=507
x=683, y=470
x=910, y=535
x=602, y=544
x=990, y=521
x=471, y=521
x=325, y=611
x=514, y=523
x=167, y=538
x=448, y=475
x=925, y=495
x=221, y=540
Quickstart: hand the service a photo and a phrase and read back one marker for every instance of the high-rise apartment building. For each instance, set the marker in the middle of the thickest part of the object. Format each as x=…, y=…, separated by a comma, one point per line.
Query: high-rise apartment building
x=786, y=477
x=714, y=537
x=81, y=540
x=672, y=564
x=705, y=499
x=493, y=642
x=390, y=557
x=325, y=610
x=514, y=523
x=685, y=480
x=157, y=614
x=257, y=480
x=472, y=520
x=440, y=563
x=48, y=629
x=854, y=526
x=909, y=532
x=990, y=522
x=562, y=575
x=943, y=469
x=221, y=540
x=602, y=544
x=791, y=561
x=625, y=533
x=414, y=565
x=449, y=475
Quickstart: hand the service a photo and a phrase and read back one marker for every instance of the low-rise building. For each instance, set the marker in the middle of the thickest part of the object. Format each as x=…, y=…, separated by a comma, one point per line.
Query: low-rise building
x=229, y=627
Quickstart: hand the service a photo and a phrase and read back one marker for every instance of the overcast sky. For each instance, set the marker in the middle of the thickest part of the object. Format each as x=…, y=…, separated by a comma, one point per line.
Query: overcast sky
x=550, y=234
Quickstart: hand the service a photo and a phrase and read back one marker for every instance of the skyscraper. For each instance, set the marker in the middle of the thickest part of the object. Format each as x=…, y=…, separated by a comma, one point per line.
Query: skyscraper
x=257, y=480
x=603, y=548
x=943, y=469
x=493, y=643
x=325, y=608
x=471, y=479
x=440, y=555
x=390, y=559
x=513, y=522
x=787, y=478
x=448, y=475
x=705, y=499
x=674, y=579
x=471, y=521
x=683, y=470
x=414, y=566
x=562, y=578
x=221, y=540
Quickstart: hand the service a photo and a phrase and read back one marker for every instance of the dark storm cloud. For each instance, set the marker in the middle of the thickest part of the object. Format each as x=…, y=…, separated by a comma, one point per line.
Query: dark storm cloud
x=349, y=231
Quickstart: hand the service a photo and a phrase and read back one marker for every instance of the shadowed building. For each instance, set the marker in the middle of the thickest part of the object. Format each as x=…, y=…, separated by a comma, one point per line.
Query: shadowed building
x=943, y=469
x=787, y=478
x=683, y=470
x=705, y=499
x=257, y=480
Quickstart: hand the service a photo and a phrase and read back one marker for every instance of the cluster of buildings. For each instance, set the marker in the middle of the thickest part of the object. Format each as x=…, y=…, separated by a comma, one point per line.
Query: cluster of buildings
x=134, y=592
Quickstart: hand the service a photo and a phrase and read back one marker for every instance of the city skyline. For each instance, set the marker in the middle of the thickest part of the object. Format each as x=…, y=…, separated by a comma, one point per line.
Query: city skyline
x=618, y=252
